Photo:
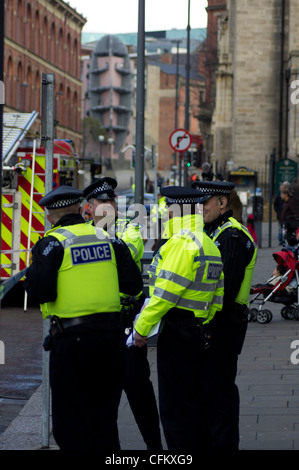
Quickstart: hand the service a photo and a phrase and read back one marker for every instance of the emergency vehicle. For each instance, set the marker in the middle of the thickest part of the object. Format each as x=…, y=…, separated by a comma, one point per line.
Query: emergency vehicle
x=23, y=219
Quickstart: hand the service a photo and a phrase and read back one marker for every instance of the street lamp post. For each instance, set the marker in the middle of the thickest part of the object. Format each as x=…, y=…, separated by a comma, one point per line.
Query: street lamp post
x=110, y=141
x=139, y=155
x=177, y=41
x=187, y=93
x=101, y=140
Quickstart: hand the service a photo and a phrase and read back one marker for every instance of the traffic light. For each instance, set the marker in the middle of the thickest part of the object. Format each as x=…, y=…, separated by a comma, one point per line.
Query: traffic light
x=189, y=158
x=96, y=169
x=198, y=158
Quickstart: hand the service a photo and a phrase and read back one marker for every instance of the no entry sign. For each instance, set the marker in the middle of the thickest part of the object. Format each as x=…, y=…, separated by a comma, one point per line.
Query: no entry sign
x=180, y=140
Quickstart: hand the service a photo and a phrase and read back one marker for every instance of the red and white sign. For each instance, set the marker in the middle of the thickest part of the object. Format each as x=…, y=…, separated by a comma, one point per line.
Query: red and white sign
x=180, y=140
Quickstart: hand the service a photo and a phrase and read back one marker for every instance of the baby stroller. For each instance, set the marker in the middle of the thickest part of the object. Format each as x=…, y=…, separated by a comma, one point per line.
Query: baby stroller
x=281, y=289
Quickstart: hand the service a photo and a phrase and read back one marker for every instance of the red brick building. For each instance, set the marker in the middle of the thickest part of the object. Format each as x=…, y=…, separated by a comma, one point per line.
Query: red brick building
x=44, y=37
x=168, y=121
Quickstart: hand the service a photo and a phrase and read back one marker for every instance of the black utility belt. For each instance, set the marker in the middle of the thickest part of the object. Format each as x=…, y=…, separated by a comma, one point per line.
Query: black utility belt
x=64, y=323
x=177, y=315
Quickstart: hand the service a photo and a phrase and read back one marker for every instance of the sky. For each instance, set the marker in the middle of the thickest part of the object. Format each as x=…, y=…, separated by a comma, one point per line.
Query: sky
x=121, y=16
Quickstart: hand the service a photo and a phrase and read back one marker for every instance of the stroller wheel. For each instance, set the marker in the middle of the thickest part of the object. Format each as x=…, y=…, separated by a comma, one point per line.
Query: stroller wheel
x=264, y=316
x=288, y=312
x=252, y=314
x=282, y=312
x=296, y=313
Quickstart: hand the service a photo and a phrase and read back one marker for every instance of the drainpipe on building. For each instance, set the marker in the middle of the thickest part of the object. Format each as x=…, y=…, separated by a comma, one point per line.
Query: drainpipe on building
x=139, y=154
x=287, y=76
x=187, y=94
x=282, y=35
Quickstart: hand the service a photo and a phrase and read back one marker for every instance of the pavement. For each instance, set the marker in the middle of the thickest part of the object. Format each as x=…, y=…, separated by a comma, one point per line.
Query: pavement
x=268, y=378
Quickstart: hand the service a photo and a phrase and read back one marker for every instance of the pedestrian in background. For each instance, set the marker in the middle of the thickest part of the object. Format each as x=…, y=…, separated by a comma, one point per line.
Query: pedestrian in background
x=76, y=275
x=290, y=207
x=137, y=384
x=277, y=204
x=238, y=253
x=251, y=227
x=186, y=283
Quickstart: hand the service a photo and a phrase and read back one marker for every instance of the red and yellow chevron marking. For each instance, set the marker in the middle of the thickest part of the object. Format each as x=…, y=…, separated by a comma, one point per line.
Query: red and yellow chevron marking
x=6, y=234
x=38, y=218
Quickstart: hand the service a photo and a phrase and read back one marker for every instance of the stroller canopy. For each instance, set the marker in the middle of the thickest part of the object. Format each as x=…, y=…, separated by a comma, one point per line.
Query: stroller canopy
x=289, y=261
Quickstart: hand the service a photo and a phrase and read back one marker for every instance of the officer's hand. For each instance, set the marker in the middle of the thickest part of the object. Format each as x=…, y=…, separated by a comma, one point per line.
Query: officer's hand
x=139, y=340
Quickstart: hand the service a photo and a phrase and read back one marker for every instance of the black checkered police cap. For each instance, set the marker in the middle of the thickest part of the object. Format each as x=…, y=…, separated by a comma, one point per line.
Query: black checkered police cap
x=179, y=195
x=63, y=196
x=208, y=189
x=102, y=188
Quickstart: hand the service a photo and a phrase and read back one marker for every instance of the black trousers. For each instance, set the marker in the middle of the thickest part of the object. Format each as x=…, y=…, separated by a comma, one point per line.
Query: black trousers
x=183, y=389
x=221, y=362
x=86, y=378
x=141, y=396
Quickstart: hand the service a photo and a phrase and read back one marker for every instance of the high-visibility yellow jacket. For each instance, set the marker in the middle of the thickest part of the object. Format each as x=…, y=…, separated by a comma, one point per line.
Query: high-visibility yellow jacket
x=160, y=210
x=186, y=273
x=87, y=279
x=243, y=294
x=131, y=235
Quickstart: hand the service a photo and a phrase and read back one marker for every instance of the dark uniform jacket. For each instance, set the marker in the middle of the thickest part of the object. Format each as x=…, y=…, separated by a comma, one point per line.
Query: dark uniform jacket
x=236, y=251
x=47, y=256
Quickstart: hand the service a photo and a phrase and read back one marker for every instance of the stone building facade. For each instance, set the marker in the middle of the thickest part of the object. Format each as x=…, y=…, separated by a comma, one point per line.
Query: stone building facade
x=44, y=37
x=258, y=62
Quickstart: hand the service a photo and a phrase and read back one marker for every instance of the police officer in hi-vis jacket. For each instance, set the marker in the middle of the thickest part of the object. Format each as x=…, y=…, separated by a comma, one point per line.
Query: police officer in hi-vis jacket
x=238, y=253
x=101, y=198
x=186, y=284
x=75, y=275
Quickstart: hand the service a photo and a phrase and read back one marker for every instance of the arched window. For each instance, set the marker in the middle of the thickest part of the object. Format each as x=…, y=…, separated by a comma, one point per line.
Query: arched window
x=45, y=38
x=69, y=108
x=68, y=54
x=8, y=18
x=52, y=51
x=19, y=23
x=19, y=104
x=58, y=104
x=75, y=58
x=75, y=112
x=37, y=90
x=8, y=84
x=60, y=49
x=36, y=41
x=28, y=91
x=28, y=28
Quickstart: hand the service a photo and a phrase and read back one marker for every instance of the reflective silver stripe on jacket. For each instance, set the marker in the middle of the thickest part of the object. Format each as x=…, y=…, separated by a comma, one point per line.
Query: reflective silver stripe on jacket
x=72, y=239
x=177, y=300
x=226, y=225
x=133, y=248
x=223, y=227
x=197, y=284
x=186, y=283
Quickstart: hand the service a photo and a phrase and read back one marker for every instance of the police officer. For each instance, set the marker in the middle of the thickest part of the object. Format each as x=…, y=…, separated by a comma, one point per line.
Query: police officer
x=186, y=282
x=137, y=385
x=101, y=196
x=159, y=214
x=238, y=252
x=75, y=275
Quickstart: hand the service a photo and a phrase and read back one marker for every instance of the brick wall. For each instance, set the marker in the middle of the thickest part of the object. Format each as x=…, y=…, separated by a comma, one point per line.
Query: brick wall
x=44, y=37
